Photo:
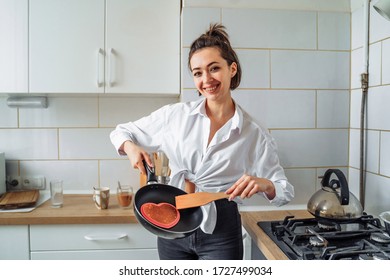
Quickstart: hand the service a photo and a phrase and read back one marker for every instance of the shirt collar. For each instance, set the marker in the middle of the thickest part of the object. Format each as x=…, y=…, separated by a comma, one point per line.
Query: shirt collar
x=199, y=107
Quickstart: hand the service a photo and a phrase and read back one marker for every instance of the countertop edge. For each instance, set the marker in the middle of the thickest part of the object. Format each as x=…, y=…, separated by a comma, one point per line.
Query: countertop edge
x=265, y=244
x=77, y=209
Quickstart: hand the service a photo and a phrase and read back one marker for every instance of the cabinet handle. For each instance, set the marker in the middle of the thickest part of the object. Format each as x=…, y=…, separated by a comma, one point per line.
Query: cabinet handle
x=104, y=237
x=111, y=54
x=99, y=54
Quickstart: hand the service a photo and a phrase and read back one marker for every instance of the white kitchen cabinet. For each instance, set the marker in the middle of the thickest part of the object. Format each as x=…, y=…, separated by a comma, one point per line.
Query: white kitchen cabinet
x=143, y=46
x=114, y=241
x=96, y=46
x=13, y=46
x=65, y=39
x=14, y=244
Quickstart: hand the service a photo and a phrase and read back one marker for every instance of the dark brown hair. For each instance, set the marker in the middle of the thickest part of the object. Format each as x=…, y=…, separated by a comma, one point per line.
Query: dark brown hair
x=217, y=37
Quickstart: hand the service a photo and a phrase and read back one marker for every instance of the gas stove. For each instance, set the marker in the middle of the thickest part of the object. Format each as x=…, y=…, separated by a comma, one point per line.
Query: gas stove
x=313, y=239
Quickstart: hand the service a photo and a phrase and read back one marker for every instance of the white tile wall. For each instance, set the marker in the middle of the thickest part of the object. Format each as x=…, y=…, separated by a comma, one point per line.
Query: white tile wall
x=356, y=101
x=255, y=66
x=279, y=108
x=80, y=143
x=356, y=29
x=29, y=144
x=385, y=152
x=79, y=176
x=379, y=26
x=332, y=109
x=374, y=67
x=304, y=182
x=377, y=194
x=115, y=110
x=112, y=171
x=310, y=148
x=377, y=180
x=372, y=155
x=356, y=67
x=309, y=69
x=8, y=116
x=257, y=28
x=353, y=181
x=378, y=113
x=196, y=21
x=385, y=65
x=333, y=31
x=84, y=113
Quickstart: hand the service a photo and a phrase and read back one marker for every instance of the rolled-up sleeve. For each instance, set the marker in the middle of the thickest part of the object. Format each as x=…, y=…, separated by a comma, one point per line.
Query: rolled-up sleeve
x=146, y=132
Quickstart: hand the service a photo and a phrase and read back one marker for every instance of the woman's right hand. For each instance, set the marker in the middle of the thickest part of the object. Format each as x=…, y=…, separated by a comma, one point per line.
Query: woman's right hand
x=136, y=156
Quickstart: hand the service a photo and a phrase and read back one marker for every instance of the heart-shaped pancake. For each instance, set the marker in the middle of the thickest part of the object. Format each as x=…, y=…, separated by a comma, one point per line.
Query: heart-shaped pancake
x=164, y=215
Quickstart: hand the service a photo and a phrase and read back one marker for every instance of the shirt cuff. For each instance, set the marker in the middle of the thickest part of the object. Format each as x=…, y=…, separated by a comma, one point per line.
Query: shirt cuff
x=117, y=140
x=280, y=197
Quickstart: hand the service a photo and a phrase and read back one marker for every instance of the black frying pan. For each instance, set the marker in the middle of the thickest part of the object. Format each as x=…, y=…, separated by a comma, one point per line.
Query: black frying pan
x=154, y=192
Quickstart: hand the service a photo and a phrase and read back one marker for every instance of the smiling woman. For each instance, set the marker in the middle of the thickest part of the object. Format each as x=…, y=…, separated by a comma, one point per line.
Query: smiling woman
x=213, y=144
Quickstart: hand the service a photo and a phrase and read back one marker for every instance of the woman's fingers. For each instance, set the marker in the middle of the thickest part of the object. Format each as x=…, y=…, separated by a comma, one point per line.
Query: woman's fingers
x=245, y=187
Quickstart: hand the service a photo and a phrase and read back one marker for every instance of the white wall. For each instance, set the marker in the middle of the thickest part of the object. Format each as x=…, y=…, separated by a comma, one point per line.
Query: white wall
x=296, y=73
x=70, y=139
x=378, y=114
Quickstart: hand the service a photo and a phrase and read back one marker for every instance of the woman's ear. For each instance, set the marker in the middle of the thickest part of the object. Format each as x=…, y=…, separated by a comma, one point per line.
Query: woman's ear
x=233, y=69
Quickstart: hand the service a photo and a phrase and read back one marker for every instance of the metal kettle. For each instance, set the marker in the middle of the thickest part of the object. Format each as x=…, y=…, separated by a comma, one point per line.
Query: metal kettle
x=333, y=200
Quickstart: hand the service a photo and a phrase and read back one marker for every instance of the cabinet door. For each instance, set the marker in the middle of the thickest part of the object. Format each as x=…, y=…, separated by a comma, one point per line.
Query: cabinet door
x=129, y=254
x=13, y=45
x=14, y=243
x=90, y=237
x=66, y=46
x=143, y=46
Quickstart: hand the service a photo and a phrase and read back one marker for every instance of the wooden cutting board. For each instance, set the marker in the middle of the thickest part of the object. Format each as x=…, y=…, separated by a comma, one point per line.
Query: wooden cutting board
x=20, y=199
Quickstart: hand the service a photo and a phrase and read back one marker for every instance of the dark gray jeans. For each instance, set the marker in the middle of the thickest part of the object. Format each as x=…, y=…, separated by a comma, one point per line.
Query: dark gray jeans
x=225, y=243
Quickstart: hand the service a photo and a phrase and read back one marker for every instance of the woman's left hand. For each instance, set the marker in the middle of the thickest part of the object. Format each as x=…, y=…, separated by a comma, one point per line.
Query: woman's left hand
x=248, y=185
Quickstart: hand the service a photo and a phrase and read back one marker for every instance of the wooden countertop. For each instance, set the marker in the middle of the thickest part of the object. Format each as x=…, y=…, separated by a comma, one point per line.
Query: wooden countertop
x=77, y=209
x=265, y=244
x=80, y=209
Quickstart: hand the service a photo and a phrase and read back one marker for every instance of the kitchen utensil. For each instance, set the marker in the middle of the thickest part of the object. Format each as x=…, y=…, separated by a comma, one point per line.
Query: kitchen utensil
x=164, y=215
x=161, y=167
x=190, y=219
x=197, y=199
x=19, y=199
x=385, y=217
x=333, y=200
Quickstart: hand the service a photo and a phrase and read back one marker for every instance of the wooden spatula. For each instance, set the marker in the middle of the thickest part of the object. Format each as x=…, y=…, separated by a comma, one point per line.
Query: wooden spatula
x=197, y=199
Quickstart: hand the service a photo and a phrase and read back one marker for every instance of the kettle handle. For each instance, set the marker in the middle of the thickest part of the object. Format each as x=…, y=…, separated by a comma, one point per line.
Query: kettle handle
x=344, y=198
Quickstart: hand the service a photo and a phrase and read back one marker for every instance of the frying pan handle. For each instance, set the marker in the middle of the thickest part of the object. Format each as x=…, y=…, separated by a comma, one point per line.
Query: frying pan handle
x=151, y=177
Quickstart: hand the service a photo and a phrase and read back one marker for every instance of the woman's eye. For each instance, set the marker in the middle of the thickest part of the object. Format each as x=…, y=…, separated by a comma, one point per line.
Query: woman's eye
x=196, y=74
x=214, y=69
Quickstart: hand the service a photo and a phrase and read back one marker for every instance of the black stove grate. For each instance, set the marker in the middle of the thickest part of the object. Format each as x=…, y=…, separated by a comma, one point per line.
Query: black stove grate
x=363, y=238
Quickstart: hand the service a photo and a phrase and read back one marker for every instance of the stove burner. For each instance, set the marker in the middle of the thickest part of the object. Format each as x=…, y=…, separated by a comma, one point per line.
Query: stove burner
x=379, y=237
x=361, y=238
x=326, y=225
x=316, y=242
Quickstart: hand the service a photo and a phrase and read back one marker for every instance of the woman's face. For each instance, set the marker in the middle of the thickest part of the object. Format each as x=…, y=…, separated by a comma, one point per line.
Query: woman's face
x=211, y=73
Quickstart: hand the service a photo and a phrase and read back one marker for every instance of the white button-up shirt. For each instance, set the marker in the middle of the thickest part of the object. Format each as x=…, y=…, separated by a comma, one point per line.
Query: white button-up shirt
x=182, y=130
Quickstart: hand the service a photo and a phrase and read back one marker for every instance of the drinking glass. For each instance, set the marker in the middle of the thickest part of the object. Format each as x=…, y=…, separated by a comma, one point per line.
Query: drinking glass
x=125, y=196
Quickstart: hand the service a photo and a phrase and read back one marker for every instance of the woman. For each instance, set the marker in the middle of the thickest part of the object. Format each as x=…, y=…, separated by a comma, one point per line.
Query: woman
x=212, y=145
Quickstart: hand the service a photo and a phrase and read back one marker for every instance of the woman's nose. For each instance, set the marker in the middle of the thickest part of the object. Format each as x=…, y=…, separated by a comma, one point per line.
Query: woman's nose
x=207, y=77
